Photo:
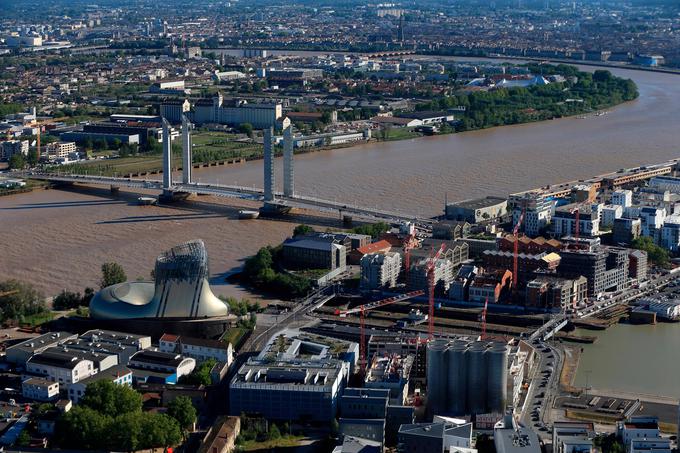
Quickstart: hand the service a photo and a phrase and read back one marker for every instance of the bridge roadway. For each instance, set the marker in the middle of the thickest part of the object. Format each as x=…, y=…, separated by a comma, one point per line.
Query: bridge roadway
x=249, y=193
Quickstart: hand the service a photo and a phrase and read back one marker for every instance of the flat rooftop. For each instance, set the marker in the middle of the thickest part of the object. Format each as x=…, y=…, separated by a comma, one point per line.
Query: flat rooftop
x=478, y=203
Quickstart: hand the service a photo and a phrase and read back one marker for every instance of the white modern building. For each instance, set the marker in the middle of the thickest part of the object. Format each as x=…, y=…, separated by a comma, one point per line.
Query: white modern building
x=609, y=214
x=380, y=270
x=622, y=198
x=670, y=233
x=573, y=437
x=652, y=220
x=564, y=220
x=538, y=212
x=641, y=434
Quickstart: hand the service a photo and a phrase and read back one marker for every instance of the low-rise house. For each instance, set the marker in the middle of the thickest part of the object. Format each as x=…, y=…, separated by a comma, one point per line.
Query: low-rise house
x=356, y=255
x=60, y=367
x=119, y=374
x=40, y=389
x=19, y=354
x=198, y=349
x=166, y=365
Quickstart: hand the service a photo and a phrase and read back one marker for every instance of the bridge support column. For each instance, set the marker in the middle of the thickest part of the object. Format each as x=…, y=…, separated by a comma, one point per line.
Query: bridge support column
x=268, y=166
x=288, y=172
x=167, y=156
x=347, y=220
x=186, y=150
x=114, y=189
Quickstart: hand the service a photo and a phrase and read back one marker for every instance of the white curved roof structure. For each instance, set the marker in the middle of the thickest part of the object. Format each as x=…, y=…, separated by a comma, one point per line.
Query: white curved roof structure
x=180, y=290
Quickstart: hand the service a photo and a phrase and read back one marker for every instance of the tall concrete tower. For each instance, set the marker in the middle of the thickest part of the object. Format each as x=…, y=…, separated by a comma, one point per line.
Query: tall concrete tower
x=268, y=165
x=167, y=156
x=186, y=150
x=288, y=172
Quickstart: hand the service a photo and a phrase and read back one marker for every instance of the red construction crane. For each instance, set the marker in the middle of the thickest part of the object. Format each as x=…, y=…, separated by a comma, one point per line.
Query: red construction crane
x=429, y=270
x=362, y=309
x=577, y=219
x=515, y=233
x=486, y=305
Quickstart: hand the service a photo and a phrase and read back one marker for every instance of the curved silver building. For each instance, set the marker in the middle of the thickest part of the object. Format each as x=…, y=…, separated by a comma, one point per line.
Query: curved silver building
x=180, y=290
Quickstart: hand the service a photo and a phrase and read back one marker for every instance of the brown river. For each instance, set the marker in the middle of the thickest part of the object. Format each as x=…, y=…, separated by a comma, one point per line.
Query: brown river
x=58, y=239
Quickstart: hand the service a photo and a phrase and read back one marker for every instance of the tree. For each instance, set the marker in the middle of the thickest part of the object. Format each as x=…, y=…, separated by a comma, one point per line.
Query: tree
x=200, y=375
x=183, y=410
x=82, y=428
x=246, y=128
x=24, y=438
x=111, y=399
x=112, y=273
x=33, y=157
x=159, y=430
x=20, y=299
x=17, y=162
x=656, y=254
x=302, y=229
x=274, y=432
x=67, y=300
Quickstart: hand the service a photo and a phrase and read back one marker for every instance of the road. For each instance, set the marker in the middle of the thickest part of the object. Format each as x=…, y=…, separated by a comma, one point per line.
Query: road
x=543, y=389
x=302, y=308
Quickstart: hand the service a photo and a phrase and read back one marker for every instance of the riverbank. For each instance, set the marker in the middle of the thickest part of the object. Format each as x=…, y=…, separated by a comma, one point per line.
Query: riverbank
x=619, y=362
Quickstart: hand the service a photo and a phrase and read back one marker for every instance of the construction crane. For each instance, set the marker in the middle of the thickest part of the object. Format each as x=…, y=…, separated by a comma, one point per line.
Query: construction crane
x=429, y=271
x=577, y=220
x=362, y=309
x=486, y=306
x=409, y=244
x=40, y=125
x=515, y=256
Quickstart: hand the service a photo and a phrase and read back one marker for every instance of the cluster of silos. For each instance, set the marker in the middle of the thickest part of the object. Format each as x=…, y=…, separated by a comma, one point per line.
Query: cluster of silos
x=466, y=377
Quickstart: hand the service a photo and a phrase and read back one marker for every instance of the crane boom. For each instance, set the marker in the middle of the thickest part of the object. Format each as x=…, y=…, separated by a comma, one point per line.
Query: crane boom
x=380, y=303
x=429, y=271
x=486, y=306
x=362, y=309
x=515, y=267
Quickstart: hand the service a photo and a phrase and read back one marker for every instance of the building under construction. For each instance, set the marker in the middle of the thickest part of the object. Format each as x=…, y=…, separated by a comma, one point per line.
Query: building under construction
x=391, y=372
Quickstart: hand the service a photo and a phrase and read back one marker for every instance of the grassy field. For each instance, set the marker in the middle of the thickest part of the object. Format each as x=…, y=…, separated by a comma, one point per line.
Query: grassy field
x=208, y=147
x=38, y=319
x=283, y=442
x=234, y=335
x=401, y=133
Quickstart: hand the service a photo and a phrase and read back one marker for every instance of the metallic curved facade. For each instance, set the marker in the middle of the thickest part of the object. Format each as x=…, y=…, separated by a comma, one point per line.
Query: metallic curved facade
x=467, y=377
x=180, y=290
x=457, y=377
x=497, y=377
x=476, y=378
x=436, y=376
